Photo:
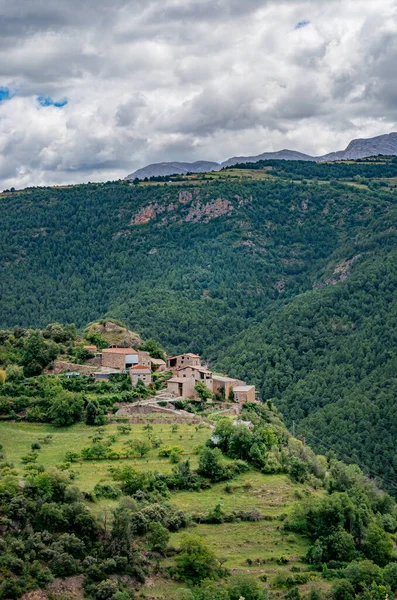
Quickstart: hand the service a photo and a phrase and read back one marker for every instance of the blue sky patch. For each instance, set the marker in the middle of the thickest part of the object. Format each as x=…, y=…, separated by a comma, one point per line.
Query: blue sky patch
x=5, y=94
x=48, y=101
x=302, y=24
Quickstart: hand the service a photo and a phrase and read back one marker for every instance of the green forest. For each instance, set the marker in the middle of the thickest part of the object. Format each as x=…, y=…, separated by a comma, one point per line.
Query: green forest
x=285, y=278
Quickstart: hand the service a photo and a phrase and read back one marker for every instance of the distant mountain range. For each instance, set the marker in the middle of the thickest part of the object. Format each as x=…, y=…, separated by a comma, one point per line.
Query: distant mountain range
x=359, y=148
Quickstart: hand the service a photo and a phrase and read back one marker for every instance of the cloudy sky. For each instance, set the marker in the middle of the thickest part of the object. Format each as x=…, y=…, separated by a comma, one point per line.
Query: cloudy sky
x=92, y=89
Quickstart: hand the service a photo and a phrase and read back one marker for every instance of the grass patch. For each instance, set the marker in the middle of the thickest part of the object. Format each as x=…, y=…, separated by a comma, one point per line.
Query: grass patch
x=17, y=439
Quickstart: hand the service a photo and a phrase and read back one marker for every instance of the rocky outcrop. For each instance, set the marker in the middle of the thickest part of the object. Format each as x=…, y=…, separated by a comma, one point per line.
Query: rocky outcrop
x=115, y=334
x=195, y=209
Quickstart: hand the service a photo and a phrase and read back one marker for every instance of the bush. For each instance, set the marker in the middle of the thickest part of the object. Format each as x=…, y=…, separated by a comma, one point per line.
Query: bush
x=244, y=586
x=196, y=561
x=170, y=450
x=362, y=574
x=64, y=565
x=210, y=465
x=390, y=576
x=106, y=490
x=158, y=537
x=106, y=590
x=342, y=590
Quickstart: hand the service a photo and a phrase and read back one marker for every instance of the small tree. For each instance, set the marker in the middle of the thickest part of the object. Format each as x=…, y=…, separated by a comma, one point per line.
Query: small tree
x=14, y=373
x=245, y=586
x=390, y=575
x=141, y=447
x=377, y=545
x=210, y=464
x=158, y=537
x=94, y=414
x=153, y=348
x=342, y=590
x=203, y=392
x=196, y=561
x=91, y=413
x=66, y=408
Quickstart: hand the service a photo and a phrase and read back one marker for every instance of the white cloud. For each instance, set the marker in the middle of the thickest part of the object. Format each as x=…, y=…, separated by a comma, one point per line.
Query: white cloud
x=188, y=79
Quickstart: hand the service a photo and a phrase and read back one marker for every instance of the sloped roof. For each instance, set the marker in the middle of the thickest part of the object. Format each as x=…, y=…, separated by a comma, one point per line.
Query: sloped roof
x=157, y=361
x=119, y=351
x=184, y=354
x=140, y=368
x=201, y=369
x=223, y=379
x=243, y=388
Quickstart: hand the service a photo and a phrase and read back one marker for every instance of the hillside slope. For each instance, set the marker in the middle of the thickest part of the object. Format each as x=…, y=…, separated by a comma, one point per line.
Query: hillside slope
x=283, y=274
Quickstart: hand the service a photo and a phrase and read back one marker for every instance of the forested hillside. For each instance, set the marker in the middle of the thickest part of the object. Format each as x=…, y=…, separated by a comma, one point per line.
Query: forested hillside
x=283, y=274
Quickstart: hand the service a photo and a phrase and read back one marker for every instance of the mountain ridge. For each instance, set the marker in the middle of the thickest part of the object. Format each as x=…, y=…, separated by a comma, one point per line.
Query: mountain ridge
x=357, y=148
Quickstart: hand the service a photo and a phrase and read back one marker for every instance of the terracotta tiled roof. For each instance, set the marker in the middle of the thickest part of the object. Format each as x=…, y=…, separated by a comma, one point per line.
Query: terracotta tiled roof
x=119, y=351
x=140, y=368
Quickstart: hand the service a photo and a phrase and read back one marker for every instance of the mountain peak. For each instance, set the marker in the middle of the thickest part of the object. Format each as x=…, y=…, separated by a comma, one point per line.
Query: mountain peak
x=385, y=144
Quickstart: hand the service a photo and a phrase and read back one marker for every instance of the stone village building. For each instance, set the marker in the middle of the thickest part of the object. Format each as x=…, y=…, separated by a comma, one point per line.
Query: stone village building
x=142, y=373
x=187, y=372
x=190, y=372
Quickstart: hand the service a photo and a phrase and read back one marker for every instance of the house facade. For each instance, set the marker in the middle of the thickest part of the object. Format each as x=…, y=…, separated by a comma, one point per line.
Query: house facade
x=244, y=393
x=119, y=358
x=174, y=363
x=181, y=387
x=142, y=373
x=159, y=365
x=223, y=386
x=144, y=359
x=199, y=374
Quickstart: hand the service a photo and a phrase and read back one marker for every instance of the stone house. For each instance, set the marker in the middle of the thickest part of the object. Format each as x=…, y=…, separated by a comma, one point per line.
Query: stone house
x=92, y=349
x=181, y=387
x=158, y=364
x=144, y=358
x=244, y=393
x=174, y=363
x=224, y=385
x=199, y=374
x=119, y=358
x=140, y=372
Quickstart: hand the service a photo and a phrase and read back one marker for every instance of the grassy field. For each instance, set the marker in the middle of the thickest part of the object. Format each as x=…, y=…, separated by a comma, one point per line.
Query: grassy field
x=274, y=496
x=17, y=439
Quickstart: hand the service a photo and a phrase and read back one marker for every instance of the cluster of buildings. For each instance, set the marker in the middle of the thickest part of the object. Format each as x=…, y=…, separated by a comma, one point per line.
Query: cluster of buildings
x=187, y=371
x=138, y=363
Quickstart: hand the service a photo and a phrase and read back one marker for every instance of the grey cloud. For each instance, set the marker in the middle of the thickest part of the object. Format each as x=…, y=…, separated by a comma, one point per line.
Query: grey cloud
x=153, y=80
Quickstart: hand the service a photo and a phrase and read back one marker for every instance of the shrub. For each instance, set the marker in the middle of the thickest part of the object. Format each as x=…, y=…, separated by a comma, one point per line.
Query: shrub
x=106, y=490
x=390, y=576
x=196, y=561
x=361, y=574
x=342, y=590
x=170, y=450
x=158, y=537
